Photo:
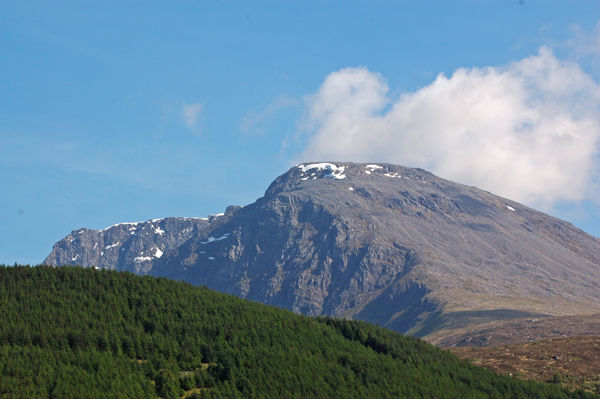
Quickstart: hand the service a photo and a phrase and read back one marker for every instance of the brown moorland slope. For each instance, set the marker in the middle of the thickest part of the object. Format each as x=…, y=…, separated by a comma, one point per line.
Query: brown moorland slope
x=505, y=332
x=573, y=362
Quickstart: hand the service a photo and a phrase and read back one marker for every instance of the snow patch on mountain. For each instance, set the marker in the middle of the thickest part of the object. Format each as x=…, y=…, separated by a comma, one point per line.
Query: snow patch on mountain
x=397, y=175
x=335, y=172
x=121, y=224
x=213, y=239
x=158, y=230
x=370, y=168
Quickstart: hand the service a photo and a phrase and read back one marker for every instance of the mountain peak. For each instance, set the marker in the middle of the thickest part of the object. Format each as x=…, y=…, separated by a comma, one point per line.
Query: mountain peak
x=384, y=243
x=344, y=174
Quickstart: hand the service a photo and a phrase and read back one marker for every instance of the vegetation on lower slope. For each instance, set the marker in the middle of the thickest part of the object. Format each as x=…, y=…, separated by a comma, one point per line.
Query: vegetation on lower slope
x=506, y=332
x=572, y=362
x=70, y=332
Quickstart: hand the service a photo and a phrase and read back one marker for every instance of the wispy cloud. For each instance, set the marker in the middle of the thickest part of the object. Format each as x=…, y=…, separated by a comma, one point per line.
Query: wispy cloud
x=191, y=114
x=253, y=120
x=584, y=46
x=529, y=130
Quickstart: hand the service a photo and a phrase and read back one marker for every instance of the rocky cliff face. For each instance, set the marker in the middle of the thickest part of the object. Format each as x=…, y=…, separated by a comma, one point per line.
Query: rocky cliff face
x=126, y=246
x=392, y=245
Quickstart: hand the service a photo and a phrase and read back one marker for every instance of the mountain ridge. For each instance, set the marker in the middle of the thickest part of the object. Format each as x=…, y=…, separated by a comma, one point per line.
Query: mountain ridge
x=392, y=245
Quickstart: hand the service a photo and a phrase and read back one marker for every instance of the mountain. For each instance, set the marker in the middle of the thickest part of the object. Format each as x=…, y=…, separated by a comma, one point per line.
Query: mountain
x=127, y=246
x=69, y=332
x=387, y=244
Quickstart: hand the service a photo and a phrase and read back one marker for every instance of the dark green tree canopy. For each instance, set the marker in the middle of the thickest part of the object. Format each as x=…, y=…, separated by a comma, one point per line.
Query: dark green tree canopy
x=70, y=332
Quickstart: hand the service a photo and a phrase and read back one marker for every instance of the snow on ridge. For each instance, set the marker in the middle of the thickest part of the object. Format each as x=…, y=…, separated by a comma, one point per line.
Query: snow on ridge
x=320, y=166
x=134, y=224
x=158, y=230
x=158, y=253
x=139, y=259
x=213, y=239
x=337, y=172
x=180, y=218
x=510, y=208
x=121, y=224
x=398, y=175
x=111, y=246
x=371, y=168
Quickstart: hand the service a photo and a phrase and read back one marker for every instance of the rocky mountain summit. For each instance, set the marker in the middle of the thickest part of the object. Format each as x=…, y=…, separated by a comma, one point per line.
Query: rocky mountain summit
x=126, y=246
x=392, y=245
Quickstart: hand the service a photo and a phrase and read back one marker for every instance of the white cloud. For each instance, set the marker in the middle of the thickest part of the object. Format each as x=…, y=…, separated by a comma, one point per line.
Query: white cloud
x=191, y=114
x=528, y=131
x=584, y=46
x=585, y=43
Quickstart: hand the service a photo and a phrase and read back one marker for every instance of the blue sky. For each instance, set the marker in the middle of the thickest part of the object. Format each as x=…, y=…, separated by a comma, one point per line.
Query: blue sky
x=127, y=111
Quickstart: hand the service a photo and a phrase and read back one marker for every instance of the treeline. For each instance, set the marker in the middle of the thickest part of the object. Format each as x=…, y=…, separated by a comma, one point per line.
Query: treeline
x=70, y=332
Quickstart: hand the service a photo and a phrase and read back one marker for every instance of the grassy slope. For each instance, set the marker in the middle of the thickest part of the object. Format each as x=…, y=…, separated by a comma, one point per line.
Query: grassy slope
x=505, y=332
x=70, y=333
x=573, y=362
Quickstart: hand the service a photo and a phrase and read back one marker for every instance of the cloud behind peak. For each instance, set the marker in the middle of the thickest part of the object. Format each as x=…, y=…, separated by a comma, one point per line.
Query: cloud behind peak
x=529, y=130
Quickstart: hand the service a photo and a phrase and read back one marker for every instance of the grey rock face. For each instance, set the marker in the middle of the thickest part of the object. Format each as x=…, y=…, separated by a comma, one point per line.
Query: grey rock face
x=125, y=246
x=392, y=245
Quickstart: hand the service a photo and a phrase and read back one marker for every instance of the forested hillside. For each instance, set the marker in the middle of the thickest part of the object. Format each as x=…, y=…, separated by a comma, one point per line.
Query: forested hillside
x=69, y=332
